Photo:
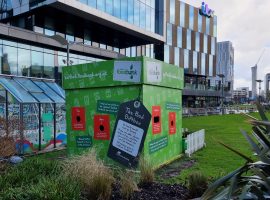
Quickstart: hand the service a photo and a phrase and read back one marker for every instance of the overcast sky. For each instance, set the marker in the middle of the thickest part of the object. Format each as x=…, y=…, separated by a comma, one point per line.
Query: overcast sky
x=247, y=25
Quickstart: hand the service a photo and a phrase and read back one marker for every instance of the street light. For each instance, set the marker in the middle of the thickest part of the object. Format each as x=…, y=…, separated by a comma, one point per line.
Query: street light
x=65, y=42
x=259, y=81
x=222, y=91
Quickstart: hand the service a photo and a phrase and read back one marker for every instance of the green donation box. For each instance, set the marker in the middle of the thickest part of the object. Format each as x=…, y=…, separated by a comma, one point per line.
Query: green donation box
x=96, y=91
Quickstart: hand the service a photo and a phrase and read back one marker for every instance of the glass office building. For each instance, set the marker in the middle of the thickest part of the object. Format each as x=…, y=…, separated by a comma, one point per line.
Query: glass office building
x=191, y=43
x=168, y=30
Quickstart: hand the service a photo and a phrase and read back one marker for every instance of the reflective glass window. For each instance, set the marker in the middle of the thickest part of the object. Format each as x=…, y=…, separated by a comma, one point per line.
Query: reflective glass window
x=109, y=7
x=128, y=52
x=87, y=37
x=130, y=11
x=195, y=61
x=197, y=43
x=182, y=14
x=51, y=93
x=101, y=5
x=41, y=97
x=202, y=64
x=186, y=60
x=133, y=51
x=169, y=34
x=116, y=8
x=10, y=60
x=62, y=59
x=176, y=56
x=92, y=3
x=124, y=10
x=172, y=11
x=153, y=20
x=142, y=15
x=213, y=46
x=188, y=39
x=49, y=32
x=199, y=23
x=1, y=58
x=147, y=50
x=24, y=62
x=179, y=37
x=207, y=25
x=136, y=12
x=191, y=17
x=36, y=64
x=215, y=26
x=166, y=54
x=148, y=18
x=17, y=90
x=28, y=84
x=205, y=44
x=56, y=88
x=210, y=65
x=49, y=66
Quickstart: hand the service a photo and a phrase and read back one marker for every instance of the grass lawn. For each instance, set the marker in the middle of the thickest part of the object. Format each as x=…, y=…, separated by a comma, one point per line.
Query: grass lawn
x=215, y=160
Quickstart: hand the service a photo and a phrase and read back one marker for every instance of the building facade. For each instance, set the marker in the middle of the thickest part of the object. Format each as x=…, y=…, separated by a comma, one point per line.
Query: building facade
x=225, y=63
x=191, y=44
x=168, y=30
x=254, y=83
x=241, y=95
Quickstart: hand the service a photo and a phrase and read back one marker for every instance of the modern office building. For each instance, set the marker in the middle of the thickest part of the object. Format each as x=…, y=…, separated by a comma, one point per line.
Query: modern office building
x=241, y=95
x=267, y=80
x=225, y=63
x=254, y=83
x=169, y=30
x=191, y=44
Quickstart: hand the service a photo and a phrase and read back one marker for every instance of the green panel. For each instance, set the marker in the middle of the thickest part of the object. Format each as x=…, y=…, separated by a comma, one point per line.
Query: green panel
x=89, y=98
x=162, y=74
x=101, y=74
x=158, y=96
x=97, y=74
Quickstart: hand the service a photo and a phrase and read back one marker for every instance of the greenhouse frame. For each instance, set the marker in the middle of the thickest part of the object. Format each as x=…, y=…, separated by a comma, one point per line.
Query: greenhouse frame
x=38, y=105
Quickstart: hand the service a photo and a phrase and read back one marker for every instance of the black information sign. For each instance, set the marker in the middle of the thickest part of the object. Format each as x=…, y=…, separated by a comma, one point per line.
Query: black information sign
x=129, y=133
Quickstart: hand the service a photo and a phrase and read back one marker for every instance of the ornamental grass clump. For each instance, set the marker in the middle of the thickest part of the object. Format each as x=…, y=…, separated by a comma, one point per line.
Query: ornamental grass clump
x=94, y=177
x=147, y=175
x=197, y=184
x=127, y=184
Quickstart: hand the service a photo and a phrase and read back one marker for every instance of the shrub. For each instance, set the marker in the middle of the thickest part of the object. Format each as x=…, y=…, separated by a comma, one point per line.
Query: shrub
x=197, y=184
x=146, y=171
x=127, y=184
x=95, y=178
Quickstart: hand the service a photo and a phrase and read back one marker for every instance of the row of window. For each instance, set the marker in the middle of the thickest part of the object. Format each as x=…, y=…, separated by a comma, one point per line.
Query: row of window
x=189, y=17
x=192, y=61
x=191, y=40
x=26, y=60
x=138, y=12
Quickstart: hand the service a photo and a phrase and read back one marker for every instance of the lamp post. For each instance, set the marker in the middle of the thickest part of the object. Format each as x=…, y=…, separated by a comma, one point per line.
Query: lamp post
x=65, y=42
x=222, y=92
x=259, y=81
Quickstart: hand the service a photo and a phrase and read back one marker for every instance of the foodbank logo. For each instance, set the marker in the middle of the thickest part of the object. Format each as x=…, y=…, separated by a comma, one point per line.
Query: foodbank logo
x=127, y=71
x=131, y=72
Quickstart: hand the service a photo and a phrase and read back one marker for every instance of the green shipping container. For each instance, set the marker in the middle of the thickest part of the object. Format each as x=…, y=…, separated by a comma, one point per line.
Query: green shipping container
x=94, y=92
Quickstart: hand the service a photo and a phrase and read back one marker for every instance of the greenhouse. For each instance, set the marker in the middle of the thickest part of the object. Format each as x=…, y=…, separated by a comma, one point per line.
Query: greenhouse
x=32, y=111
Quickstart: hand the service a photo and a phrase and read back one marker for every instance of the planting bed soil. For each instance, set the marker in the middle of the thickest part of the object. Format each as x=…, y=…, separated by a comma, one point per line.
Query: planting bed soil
x=155, y=191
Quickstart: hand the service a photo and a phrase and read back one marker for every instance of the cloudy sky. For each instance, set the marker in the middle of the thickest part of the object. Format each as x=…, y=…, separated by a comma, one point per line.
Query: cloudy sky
x=247, y=25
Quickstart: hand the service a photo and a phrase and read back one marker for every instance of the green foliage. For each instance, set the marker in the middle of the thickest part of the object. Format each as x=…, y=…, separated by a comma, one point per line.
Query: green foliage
x=95, y=178
x=214, y=161
x=252, y=180
x=197, y=184
x=127, y=184
x=37, y=178
x=146, y=171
